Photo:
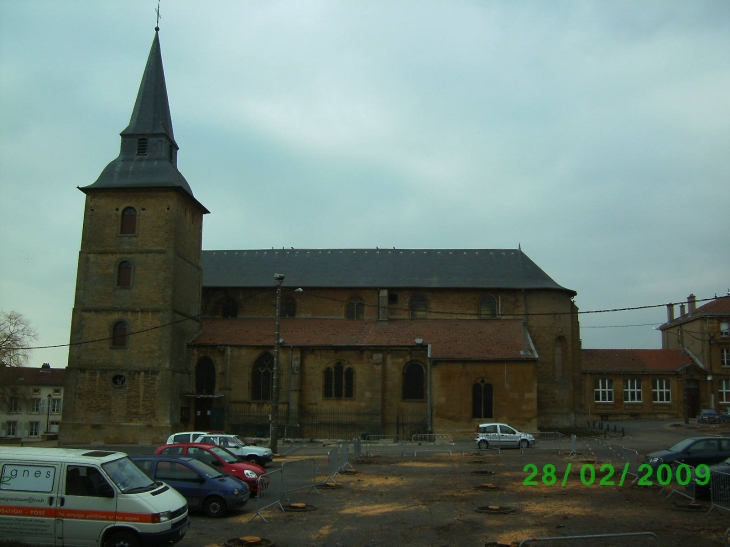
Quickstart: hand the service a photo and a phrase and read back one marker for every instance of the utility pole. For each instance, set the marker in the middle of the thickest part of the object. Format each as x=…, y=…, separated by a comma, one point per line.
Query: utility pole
x=274, y=434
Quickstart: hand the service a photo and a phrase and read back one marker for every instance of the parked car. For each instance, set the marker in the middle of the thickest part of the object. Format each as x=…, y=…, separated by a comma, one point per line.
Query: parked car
x=218, y=457
x=185, y=436
x=251, y=453
x=708, y=416
x=692, y=451
x=501, y=436
x=204, y=487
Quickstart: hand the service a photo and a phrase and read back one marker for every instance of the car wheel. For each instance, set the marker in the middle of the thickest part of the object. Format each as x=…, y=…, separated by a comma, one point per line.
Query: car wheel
x=524, y=443
x=254, y=459
x=123, y=538
x=215, y=507
x=483, y=445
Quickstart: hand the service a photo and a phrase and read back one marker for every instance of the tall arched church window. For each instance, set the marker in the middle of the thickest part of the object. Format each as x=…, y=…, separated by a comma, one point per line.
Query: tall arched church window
x=414, y=382
x=339, y=382
x=124, y=274
x=230, y=308
x=560, y=347
x=355, y=309
x=120, y=334
x=205, y=377
x=487, y=307
x=129, y=221
x=261, y=377
x=419, y=306
x=288, y=307
x=482, y=400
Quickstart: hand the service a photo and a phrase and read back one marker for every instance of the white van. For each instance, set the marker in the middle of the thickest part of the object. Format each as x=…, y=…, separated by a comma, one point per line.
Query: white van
x=76, y=497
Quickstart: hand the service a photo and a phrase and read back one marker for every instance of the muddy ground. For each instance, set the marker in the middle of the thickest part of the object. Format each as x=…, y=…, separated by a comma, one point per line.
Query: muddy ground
x=435, y=501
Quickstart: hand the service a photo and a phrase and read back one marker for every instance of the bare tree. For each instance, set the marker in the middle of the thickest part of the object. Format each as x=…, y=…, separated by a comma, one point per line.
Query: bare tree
x=16, y=336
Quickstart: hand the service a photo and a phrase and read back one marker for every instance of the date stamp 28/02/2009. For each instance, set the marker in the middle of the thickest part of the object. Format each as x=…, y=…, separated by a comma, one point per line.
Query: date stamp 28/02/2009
x=663, y=474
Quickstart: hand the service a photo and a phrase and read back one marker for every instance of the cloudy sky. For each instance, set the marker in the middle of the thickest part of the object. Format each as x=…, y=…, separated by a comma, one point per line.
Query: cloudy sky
x=593, y=134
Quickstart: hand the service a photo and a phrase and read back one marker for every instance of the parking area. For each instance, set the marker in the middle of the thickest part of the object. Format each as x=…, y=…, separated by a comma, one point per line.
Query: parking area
x=469, y=498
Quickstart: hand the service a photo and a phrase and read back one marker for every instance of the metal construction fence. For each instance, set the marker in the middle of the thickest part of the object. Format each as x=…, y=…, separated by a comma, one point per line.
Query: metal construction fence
x=585, y=539
x=271, y=490
x=298, y=475
x=719, y=491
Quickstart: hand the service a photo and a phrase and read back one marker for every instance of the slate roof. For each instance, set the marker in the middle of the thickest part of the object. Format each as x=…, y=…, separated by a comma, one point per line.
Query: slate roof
x=633, y=360
x=33, y=376
x=377, y=268
x=483, y=340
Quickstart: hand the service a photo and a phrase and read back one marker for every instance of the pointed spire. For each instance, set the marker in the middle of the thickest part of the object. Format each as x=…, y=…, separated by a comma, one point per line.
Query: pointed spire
x=151, y=114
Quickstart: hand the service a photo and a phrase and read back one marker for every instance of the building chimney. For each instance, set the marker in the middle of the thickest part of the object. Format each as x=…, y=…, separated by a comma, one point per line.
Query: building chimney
x=46, y=367
x=670, y=313
x=681, y=310
x=691, y=303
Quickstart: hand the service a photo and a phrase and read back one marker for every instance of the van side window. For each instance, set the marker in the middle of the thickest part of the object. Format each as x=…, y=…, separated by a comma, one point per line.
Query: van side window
x=84, y=481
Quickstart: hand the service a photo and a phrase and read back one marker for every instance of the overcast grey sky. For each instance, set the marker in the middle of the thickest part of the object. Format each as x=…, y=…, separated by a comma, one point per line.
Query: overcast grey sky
x=593, y=134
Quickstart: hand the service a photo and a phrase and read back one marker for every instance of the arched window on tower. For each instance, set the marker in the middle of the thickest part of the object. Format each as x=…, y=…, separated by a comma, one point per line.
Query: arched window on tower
x=339, y=382
x=205, y=377
x=230, y=308
x=487, y=307
x=261, y=377
x=560, y=351
x=129, y=221
x=419, y=306
x=481, y=400
x=124, y=274
x=120, y=335
x=414, y=382
x=355, y=308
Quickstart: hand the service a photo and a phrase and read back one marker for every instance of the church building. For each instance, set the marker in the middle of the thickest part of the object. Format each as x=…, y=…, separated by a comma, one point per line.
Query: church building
x=336, y=343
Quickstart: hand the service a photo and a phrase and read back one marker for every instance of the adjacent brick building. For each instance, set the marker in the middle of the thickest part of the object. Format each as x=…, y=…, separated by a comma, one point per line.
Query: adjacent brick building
x=167, y=337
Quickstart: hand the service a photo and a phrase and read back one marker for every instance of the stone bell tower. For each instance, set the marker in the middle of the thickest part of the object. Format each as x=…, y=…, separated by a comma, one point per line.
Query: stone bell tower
x=138, y=285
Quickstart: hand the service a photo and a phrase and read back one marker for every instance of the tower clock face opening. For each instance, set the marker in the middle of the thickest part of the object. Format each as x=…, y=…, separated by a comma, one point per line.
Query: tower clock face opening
x=119, y=380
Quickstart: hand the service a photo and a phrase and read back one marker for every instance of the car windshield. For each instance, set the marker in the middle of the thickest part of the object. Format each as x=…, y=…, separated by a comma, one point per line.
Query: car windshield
x=127, y=476
x=205, y=469
x=233, y=441
x=709, y=411
x=681, y=445
x=224, y=454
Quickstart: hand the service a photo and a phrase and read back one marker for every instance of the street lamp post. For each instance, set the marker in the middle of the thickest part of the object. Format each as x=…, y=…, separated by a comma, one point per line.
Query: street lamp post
x=275, y=383
x=48, y=414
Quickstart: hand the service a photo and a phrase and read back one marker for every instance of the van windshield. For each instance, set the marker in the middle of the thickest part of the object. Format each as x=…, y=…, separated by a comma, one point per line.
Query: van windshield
x=127, y=476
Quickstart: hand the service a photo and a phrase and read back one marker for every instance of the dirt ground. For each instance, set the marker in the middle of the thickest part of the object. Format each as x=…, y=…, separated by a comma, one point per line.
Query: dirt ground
x=436, y=501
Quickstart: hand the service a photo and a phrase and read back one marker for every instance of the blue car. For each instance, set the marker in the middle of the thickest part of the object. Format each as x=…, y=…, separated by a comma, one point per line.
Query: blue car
x=204, y=487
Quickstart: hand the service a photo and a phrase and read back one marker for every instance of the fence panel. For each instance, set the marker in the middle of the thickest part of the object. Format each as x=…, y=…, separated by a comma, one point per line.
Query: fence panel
x=271, y=490
x=719, y=491
x=298, y=475
x=333, y=465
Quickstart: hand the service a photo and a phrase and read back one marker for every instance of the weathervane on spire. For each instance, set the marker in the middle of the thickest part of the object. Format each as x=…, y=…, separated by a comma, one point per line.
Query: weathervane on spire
x=157, y=27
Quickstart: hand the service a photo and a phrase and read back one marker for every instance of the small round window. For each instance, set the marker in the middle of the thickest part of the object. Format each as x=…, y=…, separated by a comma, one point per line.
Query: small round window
x=119, y=380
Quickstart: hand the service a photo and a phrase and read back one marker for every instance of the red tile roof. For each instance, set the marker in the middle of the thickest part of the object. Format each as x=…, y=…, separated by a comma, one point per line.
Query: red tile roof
x=31, y=376
x=449, y=339
x=718, y=306
x=633, y=360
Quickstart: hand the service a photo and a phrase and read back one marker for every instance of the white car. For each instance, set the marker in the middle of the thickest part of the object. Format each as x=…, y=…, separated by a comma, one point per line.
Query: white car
x=256, y=454
x=185, y=437
x=501, y=436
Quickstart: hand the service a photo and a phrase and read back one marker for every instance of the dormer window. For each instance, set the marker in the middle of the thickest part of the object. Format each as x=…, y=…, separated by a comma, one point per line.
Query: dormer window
x=142, y=145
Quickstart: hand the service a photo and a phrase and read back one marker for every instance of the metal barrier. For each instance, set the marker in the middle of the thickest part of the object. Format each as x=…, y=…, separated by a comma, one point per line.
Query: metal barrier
x=682, y=482
x=344, y=457
x=651, y=535
x=298, y=475
x=333, y=465
x=432, y=438
x=271, y=489
x=719, y=491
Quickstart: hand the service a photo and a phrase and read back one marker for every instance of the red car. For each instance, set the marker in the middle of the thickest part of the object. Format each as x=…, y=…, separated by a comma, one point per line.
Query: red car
x=217, y=457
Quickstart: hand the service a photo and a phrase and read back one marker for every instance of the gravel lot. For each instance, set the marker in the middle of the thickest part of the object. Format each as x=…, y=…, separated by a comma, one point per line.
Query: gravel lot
x=437, y=500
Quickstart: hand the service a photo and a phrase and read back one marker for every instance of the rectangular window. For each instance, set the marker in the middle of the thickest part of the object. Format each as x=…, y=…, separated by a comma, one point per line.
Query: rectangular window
x=16, y=407
x=55, y=406
x=12, y=429
x=603, y=390
x=57, y=391
x=35, y=429
x=35, y=407
x=632, y=390
x=725, y=391
x=725, y=357
x=661, y=391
